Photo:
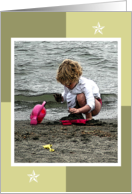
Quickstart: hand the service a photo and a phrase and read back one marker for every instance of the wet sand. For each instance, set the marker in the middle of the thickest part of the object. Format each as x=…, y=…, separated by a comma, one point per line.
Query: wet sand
x=94, y=142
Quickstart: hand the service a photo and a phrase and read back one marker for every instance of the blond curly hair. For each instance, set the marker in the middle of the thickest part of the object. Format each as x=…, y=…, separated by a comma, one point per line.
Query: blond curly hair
x=68, y=72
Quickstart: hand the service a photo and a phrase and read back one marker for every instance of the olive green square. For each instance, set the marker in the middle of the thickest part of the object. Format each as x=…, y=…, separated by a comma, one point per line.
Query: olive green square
x=105, y=179
x=25, y=25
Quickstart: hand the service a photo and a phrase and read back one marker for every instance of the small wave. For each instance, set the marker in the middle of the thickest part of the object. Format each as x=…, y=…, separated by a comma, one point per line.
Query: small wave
x=109, y=97
x=95, y=58
x=104, y=61
x=22, y=92
x=46, y=42
x=29, y=105
x=68, y=50
x=24, y=64
x=86, y=54
x=22, y=50
x=35, y=98
x=48, y=97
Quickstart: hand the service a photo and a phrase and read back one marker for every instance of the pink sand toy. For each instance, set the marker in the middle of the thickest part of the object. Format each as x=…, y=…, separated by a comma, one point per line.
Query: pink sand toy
x=38, y=113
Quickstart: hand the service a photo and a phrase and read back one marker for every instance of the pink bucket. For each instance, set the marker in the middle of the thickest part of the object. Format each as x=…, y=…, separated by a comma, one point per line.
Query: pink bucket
x=38, y=113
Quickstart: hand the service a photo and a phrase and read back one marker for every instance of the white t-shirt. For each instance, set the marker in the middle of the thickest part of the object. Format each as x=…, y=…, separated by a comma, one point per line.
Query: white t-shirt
x=86, y=86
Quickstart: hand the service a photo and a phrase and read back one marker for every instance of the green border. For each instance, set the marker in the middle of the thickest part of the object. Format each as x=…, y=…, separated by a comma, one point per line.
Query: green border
x=28, y=25
x=106, y=179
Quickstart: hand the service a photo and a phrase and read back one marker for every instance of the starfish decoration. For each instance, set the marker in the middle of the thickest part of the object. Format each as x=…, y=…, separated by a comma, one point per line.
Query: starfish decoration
x=33, y=177
x=98, y=28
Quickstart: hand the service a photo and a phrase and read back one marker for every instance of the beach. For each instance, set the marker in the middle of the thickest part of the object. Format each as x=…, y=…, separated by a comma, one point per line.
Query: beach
x=93, y=142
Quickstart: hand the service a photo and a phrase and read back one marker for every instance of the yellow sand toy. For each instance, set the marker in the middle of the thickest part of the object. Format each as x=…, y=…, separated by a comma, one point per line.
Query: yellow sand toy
x=49, y=146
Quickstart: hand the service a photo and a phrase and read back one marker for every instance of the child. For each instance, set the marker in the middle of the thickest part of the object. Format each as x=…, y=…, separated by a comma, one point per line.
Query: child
x=81, y=94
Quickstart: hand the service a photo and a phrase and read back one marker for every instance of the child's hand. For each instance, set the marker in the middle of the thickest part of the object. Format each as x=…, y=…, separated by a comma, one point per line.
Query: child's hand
x=58, y=97
x=74, y=110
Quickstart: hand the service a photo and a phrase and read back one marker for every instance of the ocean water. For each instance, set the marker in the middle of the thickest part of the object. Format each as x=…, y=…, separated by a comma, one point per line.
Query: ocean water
x=36, y=64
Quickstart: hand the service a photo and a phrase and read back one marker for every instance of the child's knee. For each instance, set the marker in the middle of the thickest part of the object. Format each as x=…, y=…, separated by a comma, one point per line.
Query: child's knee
x=97, y=108
x=81, y=99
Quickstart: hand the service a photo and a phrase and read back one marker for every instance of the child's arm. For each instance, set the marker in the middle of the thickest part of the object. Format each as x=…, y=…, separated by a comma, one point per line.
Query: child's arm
x=61, y=97
x=83, y=109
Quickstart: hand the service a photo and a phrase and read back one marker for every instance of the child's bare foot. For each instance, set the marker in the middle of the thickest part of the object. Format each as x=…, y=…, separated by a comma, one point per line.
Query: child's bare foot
x=88, y=116
x=89, y=119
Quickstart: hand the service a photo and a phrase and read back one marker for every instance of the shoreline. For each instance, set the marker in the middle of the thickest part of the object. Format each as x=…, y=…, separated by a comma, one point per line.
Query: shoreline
x=94, y=142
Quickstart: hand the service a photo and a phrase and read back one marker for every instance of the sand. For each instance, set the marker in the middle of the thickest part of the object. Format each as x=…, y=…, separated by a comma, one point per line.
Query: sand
x=94, y=142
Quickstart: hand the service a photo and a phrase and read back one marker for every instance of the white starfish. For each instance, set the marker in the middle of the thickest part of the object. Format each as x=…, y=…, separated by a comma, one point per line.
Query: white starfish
x=98, y=28
x=33, y=177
